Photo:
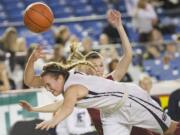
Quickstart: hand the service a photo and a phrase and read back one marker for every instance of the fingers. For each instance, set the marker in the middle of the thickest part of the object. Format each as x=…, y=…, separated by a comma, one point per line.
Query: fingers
x=25, y=105
x=39, y=126
x=39, y=52
x=45, y=125
x=22, y=102
x=113, y=13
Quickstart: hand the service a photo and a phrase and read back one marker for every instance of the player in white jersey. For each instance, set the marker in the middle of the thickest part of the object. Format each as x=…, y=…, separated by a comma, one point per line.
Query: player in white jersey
x=122, y=105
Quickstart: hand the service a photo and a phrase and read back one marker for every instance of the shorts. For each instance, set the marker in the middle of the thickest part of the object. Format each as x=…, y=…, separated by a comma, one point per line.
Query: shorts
x=139, y=112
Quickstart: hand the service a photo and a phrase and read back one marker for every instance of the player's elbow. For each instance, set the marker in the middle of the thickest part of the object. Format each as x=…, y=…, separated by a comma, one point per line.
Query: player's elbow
x=127, y=57
x=28, y=82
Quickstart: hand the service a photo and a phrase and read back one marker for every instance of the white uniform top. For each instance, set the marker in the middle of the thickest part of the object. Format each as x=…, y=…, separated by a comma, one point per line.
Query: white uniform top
x=103, y=93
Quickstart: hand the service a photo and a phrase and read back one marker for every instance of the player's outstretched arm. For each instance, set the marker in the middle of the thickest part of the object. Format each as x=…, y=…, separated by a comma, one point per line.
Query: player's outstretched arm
x=30, y=79
x=114, y=18
x=71, y=96
x=53, y=107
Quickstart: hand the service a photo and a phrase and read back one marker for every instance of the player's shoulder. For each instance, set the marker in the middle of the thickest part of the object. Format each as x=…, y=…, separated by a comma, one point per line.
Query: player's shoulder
x=74, y=72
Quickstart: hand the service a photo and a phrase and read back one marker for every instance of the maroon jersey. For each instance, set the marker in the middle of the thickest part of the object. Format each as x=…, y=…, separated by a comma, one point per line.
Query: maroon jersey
x=95, y=116
x=177, y=131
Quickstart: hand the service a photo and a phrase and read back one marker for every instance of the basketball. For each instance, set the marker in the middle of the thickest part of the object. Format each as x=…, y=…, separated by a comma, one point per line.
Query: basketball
x=38, y=17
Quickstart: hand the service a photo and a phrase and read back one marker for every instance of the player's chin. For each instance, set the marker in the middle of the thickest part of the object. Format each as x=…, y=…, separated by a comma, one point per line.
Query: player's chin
x=55, y=93
x=99, y=74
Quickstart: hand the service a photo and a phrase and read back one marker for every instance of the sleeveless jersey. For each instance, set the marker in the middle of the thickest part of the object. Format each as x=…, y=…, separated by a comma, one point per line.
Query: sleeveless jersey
x=103, y=93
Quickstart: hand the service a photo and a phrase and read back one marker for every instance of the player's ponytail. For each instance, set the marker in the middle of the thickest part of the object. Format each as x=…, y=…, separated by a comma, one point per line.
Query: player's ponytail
x=55, y=69
x=78, y=63
x=76, y=58
x=74, y=55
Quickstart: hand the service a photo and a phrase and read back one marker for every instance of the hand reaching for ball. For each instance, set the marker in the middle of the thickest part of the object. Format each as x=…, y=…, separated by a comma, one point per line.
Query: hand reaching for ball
x=114, y=18
x=38, y=53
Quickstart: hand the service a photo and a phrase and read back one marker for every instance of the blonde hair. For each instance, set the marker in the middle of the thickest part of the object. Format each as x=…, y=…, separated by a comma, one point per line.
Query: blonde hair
x=142, y=4
x=74, y=53
x=74, y=59
x=5, y=38
x=77, y=58
x=55, y=69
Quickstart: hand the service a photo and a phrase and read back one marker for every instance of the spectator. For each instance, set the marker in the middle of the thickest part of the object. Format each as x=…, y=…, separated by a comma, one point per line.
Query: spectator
x=151, y=53
x=177, y=39
x=131, y=6
x=4, y=81
x=171, y=4
x=144, y=18
x=62, y=35
x=108, y=51
x=8, y=44
x=170, y=52
x=87, y=44
x=157, y=39
x=104, y=39
x=58, y=55
x=145, y=82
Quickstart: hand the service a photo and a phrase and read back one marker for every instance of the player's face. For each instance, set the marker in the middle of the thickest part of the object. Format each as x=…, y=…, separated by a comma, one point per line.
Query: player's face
x=54, y=85
x=146, y=84
x=98, y=63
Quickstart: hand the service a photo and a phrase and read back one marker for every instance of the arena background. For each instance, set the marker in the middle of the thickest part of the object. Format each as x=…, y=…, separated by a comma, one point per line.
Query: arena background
x=158, y=57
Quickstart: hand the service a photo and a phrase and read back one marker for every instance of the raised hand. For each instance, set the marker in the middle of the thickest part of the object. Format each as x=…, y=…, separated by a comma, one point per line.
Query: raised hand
x=114, y=18
x=25, y=105
x=38, y=53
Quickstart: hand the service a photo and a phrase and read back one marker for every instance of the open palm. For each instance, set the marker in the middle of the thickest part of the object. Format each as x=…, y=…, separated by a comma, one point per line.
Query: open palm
x=38, y=53
x=24, y=104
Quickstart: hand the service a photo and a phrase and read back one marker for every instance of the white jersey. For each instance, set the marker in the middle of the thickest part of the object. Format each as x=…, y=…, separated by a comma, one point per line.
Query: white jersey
x=138, y=108
x=103, y=93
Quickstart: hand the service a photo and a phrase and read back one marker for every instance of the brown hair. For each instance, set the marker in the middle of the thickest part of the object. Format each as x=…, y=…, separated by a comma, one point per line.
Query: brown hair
x=5, y=37
x=92, y=55
x=55, y=69
x=142, y=4
x=75, y=56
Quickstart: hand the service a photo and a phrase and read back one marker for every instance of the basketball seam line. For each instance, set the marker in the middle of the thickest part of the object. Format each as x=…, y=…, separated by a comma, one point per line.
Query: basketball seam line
x=41, y=27
x=41, y=14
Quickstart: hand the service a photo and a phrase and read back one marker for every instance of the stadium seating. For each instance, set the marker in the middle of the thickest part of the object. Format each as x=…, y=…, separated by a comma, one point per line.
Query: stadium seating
x=157, y=69
x=67, y=8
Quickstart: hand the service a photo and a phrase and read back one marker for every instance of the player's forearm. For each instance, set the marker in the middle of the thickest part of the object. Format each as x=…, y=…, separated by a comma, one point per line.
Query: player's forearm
x=30, y=79
x=29, y=71
x=63, y=113
x=48, y=108
x=123, y=64
x=126, y=46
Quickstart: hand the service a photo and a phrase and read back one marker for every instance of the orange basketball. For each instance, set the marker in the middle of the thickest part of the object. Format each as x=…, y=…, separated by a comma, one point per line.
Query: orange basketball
x=38, y=17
